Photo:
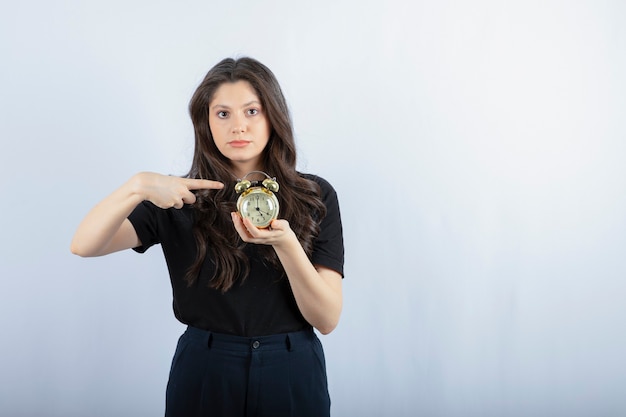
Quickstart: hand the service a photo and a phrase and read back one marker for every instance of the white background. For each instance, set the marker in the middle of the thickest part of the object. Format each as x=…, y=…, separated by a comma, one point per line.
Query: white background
x=477, y=149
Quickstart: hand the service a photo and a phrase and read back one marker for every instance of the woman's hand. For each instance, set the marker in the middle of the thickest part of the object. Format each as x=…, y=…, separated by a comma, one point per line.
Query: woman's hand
x=166, y=191
x=278, y=233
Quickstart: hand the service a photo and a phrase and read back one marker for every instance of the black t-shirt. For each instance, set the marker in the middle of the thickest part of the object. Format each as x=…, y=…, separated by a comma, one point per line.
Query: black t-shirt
x=264, y=303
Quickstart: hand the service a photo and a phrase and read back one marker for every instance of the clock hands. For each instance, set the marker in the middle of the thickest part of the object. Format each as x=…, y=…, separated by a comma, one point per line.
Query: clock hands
x=258, y=209
x=257, y=201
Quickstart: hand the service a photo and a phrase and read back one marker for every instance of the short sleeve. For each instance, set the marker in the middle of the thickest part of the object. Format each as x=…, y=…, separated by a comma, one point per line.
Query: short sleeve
x=144, y=220
x=328, y=249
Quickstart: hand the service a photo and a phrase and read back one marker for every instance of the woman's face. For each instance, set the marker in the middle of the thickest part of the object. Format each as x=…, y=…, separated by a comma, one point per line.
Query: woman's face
x=239, y=126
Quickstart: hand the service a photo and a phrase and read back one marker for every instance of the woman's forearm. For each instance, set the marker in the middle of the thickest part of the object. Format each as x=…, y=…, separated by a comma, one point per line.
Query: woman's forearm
x=317, y=291
x=97, y=234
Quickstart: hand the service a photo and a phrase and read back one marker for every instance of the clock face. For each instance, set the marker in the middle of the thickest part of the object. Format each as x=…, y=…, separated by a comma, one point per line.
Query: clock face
x=258, y=205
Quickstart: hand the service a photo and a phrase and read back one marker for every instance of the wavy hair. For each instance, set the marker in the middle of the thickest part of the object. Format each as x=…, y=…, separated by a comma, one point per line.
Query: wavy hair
x=300, y=201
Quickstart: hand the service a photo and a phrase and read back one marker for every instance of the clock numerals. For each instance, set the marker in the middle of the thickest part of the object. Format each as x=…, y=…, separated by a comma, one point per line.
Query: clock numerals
x=258, y=205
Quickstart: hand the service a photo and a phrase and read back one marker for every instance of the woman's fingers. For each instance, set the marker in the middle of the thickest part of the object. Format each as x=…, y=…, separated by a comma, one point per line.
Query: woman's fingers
x=240, y=227
x=198, y=184
x=251, y=234
x=167, y=191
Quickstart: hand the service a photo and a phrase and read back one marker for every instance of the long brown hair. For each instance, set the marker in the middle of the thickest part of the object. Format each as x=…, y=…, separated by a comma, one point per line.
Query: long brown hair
x=299, y=197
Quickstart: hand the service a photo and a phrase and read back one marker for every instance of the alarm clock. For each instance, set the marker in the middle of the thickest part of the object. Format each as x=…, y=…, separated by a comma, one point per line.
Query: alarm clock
x=257, y=200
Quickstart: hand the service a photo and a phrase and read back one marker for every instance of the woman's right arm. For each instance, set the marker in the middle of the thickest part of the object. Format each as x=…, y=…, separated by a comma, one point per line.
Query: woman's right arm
x=106, y=228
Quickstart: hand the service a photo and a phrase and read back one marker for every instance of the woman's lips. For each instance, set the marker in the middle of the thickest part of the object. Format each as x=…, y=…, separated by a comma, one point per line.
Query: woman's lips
x=238, y=143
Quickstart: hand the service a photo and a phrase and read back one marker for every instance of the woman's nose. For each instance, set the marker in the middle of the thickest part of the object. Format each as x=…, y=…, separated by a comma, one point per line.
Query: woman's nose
x=239, y=124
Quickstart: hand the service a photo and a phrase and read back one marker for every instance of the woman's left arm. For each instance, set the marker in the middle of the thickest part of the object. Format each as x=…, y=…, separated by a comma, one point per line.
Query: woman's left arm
x=317, y=290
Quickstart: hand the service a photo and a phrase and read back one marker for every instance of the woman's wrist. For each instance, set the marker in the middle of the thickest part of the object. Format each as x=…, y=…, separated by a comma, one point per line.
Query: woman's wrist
x=288, y=243
x=137, y=187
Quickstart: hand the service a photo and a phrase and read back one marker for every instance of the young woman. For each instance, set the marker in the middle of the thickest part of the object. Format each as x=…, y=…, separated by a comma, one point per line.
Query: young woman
x=250, y=297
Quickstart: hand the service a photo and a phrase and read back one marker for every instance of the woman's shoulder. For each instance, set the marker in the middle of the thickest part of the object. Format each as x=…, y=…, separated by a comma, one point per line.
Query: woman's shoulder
x=322, y=182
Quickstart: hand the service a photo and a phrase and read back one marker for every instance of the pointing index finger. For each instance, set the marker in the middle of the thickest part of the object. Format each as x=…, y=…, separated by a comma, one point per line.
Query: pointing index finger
x=198, y=184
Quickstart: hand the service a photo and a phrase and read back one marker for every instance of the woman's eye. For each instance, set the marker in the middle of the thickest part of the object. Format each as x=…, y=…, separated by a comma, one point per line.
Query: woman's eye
x=252, y=112
x=222, y=114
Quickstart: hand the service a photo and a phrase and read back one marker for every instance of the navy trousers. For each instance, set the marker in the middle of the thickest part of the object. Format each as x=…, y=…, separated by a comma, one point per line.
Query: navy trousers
x=217, y=375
